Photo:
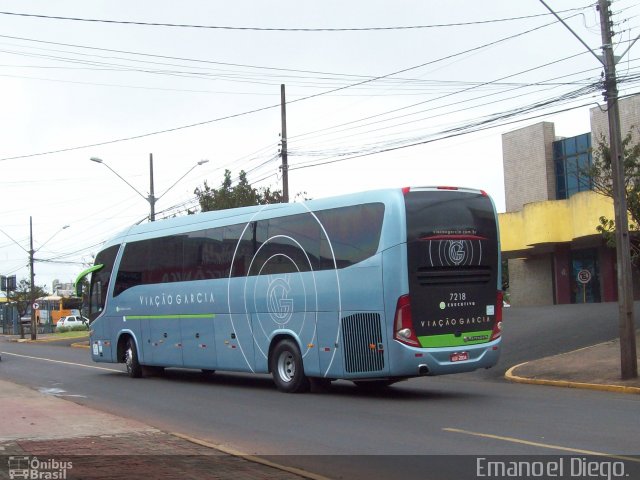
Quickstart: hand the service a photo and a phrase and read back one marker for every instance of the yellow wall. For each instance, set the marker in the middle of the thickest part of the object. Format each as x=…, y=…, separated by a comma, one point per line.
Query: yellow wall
x=553, y=221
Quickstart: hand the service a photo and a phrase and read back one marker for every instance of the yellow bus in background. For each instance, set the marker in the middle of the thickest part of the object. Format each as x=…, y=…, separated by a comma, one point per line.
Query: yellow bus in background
x=53, y=307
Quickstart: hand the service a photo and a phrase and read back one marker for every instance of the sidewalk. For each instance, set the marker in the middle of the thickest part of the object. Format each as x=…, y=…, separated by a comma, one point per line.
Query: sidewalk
x=88, y=443
x=596, y=367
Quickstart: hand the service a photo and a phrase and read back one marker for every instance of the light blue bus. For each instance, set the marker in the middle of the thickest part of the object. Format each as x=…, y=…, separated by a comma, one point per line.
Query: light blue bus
x=373, y=287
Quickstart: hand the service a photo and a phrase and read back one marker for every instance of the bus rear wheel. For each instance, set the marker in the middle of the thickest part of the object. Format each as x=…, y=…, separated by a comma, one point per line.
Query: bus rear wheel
x=287, y=368
x=134, y=369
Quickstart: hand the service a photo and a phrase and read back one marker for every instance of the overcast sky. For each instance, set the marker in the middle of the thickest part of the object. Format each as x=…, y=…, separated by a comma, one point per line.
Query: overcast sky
x=416, y=106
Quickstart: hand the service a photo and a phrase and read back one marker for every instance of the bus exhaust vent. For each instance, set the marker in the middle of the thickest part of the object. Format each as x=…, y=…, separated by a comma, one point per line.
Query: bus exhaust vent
x=363, y=348
x=460, y=275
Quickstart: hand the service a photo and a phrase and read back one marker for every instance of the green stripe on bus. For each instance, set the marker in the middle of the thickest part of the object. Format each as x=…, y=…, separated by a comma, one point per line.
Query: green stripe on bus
x=450, y=340
x=157, y=317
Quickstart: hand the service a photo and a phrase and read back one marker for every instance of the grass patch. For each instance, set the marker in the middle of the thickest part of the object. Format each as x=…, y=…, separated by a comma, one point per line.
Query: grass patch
x=74, y=334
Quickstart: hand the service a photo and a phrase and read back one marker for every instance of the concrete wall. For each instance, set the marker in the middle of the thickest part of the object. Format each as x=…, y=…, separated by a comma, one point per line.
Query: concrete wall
x=629, y=120
x=529, y=175
x=531, y=281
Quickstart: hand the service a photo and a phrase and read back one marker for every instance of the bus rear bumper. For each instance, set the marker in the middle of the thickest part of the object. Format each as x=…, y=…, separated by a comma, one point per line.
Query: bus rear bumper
x=446, y=360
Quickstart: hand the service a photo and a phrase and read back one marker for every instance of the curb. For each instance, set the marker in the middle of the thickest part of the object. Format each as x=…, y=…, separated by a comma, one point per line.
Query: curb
x=512, y=377
x=46, y=340
x=52, y=339
x=80, y=345
x=251, y=458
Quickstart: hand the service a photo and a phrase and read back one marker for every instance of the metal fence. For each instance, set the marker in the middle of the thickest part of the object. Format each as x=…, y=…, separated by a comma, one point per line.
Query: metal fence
x=10, y=323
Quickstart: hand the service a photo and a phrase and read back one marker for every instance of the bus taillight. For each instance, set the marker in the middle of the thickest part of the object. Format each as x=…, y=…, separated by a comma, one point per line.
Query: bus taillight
x=497, y=326
x=403, y=323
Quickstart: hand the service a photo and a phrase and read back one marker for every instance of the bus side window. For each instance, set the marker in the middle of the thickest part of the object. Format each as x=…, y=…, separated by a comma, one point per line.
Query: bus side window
x=354, y=234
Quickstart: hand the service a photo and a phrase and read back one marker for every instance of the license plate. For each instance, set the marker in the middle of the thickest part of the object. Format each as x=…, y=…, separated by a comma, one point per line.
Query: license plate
x=459, y=356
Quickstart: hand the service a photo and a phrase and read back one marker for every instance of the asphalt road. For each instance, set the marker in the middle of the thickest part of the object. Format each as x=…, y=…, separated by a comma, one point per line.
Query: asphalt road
x=346, y=433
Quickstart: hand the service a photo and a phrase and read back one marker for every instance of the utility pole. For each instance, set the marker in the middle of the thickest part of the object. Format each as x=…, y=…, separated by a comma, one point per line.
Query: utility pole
x=32, y=275
x=152, y=198
x=628, y=358
x=285, y=166
x=628, y=355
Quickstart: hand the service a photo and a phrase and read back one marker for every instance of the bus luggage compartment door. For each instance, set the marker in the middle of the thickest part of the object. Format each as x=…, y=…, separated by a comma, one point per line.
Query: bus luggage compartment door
x=198, y=341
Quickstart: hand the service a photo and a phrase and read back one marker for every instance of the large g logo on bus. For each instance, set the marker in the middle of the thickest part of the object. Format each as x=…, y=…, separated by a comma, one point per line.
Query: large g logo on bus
x=456, y=251
x=279, y=304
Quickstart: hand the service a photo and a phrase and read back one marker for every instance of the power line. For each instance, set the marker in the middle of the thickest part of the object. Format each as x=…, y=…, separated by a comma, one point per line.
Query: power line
x=308, y=97
x=278, y=29
x=433, y=99
x=481, y=124
x=445, y=135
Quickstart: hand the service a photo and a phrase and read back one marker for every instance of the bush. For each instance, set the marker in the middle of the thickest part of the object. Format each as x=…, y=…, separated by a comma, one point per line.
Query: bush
x=62, y=329
x=79, y=328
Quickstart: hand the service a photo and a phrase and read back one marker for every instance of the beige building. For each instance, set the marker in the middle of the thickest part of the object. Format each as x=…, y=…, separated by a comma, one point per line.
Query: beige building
x=548, y=232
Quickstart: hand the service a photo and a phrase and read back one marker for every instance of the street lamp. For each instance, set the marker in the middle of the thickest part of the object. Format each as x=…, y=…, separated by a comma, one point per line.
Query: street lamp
x=151, y=198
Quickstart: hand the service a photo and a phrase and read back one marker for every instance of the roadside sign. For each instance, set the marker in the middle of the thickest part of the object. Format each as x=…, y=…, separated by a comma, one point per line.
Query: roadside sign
x=36, y=306
x=584, y=276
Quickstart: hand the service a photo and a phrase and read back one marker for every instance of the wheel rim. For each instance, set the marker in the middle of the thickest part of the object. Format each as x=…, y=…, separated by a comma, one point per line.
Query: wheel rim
x=286, y=367
x=128, y=355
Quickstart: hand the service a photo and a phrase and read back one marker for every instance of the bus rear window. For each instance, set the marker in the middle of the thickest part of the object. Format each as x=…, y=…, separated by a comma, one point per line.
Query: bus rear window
x=434, y=214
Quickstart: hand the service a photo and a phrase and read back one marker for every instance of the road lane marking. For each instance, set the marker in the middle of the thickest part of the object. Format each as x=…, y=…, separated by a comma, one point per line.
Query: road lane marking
x=60, y=361
x=542, y=445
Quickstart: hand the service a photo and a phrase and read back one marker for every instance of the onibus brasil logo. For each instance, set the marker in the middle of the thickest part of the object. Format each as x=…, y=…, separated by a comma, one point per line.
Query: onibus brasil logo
x=35, y=469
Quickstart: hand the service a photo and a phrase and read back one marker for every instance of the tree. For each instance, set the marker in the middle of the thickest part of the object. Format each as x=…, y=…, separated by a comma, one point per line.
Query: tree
x=22, y=296
x=240, y=195
x=600, y=173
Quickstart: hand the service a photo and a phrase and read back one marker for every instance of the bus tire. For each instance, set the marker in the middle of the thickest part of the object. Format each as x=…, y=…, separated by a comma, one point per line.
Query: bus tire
x=287, y=368
x=134, y=369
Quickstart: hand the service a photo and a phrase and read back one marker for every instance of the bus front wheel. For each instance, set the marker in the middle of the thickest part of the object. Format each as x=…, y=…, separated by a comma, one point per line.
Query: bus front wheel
x=134, y=369
x=287, y=368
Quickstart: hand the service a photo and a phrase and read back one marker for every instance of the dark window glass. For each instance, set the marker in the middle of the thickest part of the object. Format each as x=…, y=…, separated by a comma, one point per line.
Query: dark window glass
x=583, y=143
x=572, y=159
x=438, y=213
x=164, y=260
x=572, y=176
x=287, y=244
x=584, y=162
x=157, y=260
x=561, y=182
x=238, y=247
x=203, y=255
x=558, y=149
x=132, y=266
x=100, y=281
x=354, y=233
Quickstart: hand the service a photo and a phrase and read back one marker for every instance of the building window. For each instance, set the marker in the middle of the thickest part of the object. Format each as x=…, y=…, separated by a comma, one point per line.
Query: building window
x=572, y=158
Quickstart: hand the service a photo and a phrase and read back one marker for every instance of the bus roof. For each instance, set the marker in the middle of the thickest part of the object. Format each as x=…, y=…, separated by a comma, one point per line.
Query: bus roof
x=232, y=216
